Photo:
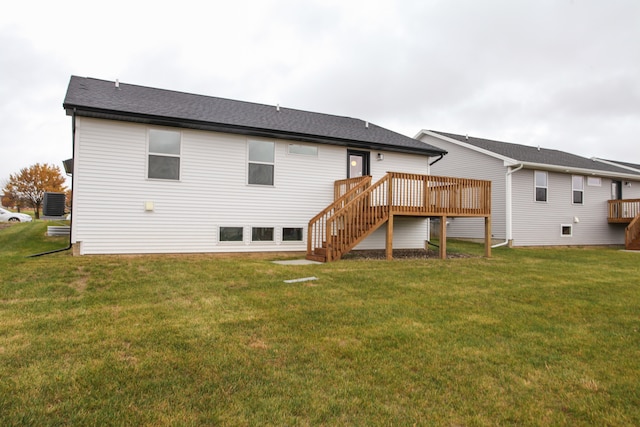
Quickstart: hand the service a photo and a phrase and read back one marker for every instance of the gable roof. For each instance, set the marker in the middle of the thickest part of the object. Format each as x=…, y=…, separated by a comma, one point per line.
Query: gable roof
x=626, y=165
x=119, y=101
x=543, y=158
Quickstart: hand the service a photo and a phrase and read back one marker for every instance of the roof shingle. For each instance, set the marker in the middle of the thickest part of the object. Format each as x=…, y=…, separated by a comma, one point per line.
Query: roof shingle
x=101, y=98
x=529, y=154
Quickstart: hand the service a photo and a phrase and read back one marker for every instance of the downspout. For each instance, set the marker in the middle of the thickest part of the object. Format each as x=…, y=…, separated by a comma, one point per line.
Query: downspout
x=429, y=221
x=508, y=206
x=73, y=155
x=436, y=160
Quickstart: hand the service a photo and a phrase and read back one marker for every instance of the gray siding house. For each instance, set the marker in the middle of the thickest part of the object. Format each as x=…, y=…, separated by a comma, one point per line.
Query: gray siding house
x=542, y=196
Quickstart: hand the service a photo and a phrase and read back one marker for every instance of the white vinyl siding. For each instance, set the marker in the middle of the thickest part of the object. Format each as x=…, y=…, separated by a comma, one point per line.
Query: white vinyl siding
x=111, y=190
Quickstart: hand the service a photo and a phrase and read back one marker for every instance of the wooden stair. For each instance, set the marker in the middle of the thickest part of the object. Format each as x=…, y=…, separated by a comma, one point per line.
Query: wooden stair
x=632, y=235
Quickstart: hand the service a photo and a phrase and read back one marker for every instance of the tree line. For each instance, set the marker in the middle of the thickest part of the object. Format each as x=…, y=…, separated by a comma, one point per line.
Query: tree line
x=26, y=188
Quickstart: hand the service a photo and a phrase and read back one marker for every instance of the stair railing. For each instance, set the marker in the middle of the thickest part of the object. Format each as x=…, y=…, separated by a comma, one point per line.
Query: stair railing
x=344, y=191
x=357, y=219
x=632, y=232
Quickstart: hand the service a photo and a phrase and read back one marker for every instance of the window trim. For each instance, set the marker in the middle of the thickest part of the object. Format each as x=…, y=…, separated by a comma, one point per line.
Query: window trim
x=273, y=235
x=574, y=190
x=288, y=242
x=150, y=153
x=257, y=162
x=563, y=226
x=230, y=242
x=536, y=186
x=292, y=144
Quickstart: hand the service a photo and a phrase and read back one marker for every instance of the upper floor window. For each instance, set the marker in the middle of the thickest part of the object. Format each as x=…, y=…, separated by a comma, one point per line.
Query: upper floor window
x=577, y=186
x=261, y=162
x=164, y=154
x=542, y=185
x=307, y=150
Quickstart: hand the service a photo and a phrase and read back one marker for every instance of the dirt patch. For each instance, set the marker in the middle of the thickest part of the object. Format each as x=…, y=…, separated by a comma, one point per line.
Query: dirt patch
x=4, y=225
x=403, y=254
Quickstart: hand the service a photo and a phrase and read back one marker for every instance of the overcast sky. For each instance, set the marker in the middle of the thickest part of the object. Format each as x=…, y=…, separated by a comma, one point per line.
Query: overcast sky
x=561, y=74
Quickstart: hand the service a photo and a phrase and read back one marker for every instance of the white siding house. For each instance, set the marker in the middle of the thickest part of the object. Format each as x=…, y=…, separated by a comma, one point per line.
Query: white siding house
x=158, y=171
x=540, y=196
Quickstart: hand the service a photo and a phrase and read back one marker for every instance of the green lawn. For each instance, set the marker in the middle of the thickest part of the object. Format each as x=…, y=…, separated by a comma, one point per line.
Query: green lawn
x=528, y=337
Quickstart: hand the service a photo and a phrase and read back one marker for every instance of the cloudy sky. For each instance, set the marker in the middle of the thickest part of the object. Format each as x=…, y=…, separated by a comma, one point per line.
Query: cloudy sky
x=562, y=74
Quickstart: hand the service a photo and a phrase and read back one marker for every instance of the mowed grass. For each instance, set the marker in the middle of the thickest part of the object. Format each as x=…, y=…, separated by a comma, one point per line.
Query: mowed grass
x=528, y=337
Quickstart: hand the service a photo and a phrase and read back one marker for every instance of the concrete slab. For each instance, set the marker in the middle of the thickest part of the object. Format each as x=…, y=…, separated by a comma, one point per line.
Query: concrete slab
x=296, y=262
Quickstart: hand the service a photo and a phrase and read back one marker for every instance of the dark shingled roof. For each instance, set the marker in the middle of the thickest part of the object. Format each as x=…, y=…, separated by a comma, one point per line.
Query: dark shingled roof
x=529, y=154
x=100, y=98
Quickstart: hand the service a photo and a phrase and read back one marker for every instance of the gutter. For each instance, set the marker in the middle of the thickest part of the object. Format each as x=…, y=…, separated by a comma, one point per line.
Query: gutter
x=73, y=153
x=508, y=206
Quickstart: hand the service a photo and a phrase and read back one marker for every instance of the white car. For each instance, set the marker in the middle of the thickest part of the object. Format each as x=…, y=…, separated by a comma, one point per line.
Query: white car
x=6, y=215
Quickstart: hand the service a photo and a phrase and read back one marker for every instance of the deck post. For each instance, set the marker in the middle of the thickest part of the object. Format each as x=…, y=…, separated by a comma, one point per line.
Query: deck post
x=389, y=242
x=487, y=236
x=443, y=237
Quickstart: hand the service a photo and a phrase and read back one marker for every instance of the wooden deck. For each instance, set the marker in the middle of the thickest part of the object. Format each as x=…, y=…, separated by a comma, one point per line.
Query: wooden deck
x=623, y=211
x=361, y=207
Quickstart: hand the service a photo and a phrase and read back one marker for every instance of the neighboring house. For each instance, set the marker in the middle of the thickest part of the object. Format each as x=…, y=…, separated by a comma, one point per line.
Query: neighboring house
x=542, y=196
x=160, y=171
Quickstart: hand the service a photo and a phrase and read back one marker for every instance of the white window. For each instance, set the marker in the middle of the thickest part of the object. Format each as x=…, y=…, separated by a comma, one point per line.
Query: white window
x=307, y=150
x=261, y=162
x=231, y=234
x=566, y=230
x=164, y=154
x=542, y=186
x=262, y=234
x=291, y=234
x=594, y=181
x=577, y=186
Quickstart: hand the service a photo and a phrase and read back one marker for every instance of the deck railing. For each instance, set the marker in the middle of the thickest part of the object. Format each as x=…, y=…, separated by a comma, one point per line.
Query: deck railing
x=342, y=226
x=343, y=186
x=623, y=211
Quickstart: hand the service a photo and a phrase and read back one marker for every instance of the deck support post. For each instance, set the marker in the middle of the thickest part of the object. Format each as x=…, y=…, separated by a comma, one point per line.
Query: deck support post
x=389, y=242
x=487, y=236
x=443, y=237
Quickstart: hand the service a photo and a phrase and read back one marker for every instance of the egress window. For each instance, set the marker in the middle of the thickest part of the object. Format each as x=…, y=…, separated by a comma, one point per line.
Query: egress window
x=164, y=154
x=261, y=162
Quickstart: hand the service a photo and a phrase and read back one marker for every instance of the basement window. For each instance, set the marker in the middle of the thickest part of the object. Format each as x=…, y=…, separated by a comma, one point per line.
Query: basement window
x=231, y=234
x=566, y=230
x=262, y=234
x=164, y=154
x=291, y=234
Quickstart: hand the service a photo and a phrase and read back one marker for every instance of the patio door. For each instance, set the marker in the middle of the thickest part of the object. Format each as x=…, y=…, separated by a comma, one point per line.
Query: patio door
x=358, y=163
x=616, y=190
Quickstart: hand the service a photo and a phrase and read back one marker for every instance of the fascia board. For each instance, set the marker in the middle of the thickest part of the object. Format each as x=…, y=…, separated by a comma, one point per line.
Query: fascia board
x=579, y=171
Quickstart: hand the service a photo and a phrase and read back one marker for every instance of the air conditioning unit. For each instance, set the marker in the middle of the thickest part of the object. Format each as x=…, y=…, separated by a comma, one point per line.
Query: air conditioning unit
x=53, y=204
